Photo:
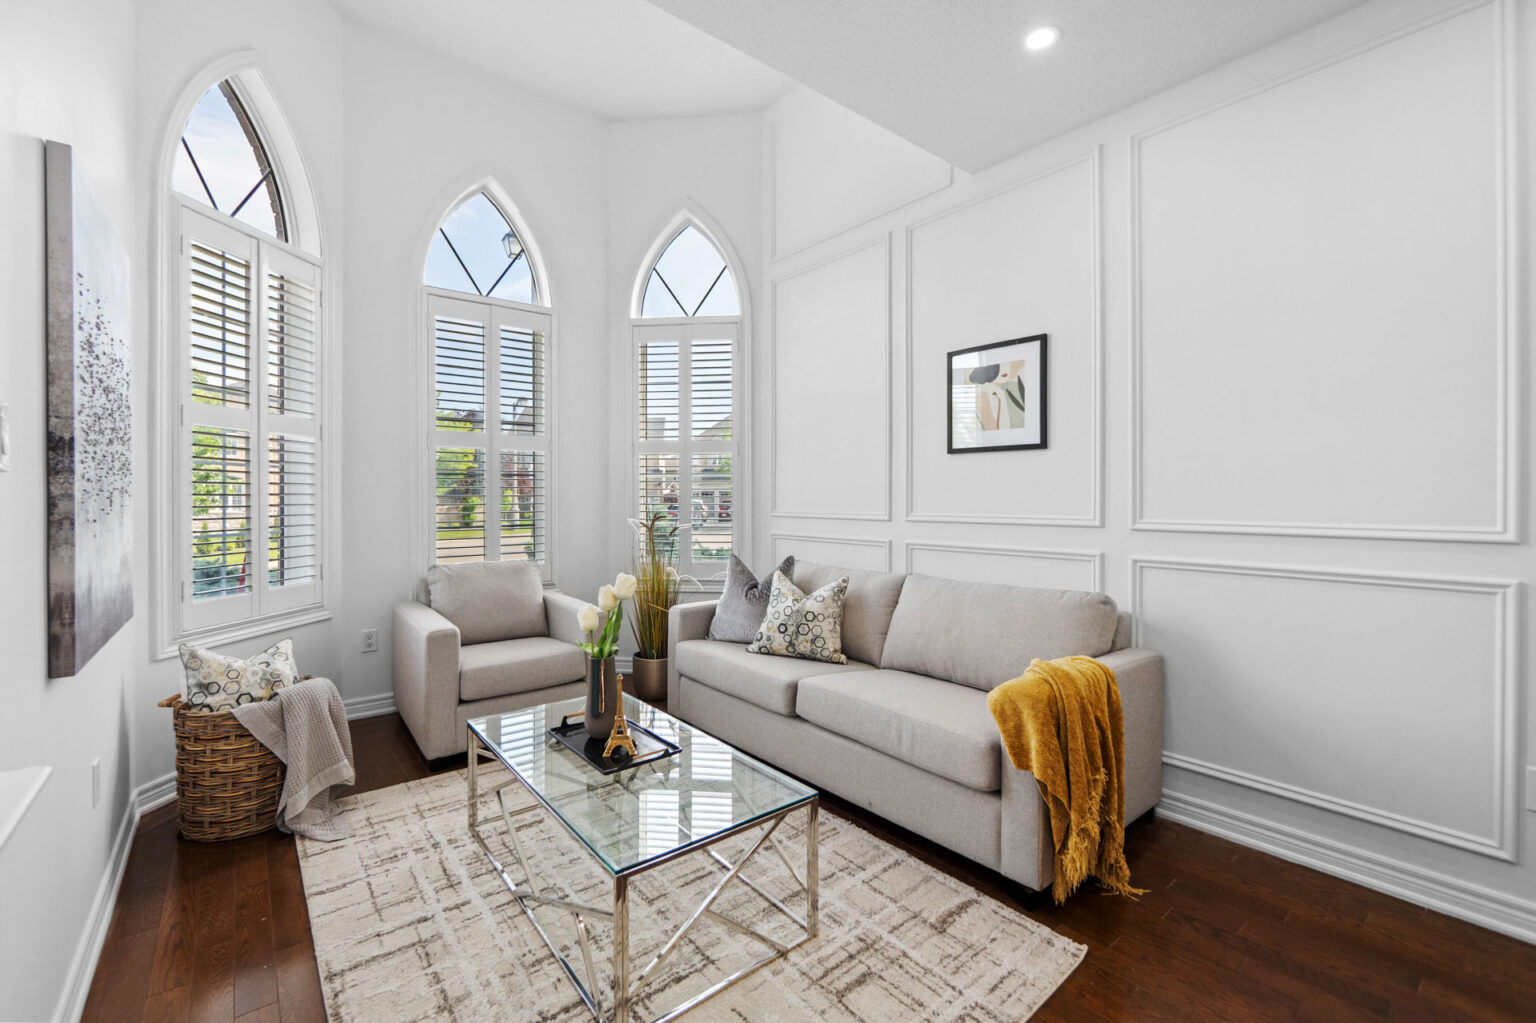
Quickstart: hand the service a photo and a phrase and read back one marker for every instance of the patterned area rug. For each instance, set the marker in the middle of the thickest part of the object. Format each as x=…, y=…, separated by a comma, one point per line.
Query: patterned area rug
x=410, y=922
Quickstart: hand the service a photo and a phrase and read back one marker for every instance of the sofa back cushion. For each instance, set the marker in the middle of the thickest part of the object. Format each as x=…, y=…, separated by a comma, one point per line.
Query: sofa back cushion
x=489, y=600
x=983, y=634
x=867, y=608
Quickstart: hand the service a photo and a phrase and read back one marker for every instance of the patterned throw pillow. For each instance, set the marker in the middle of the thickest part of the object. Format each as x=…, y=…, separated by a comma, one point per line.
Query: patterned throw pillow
x=808, y=626
x=218, y=682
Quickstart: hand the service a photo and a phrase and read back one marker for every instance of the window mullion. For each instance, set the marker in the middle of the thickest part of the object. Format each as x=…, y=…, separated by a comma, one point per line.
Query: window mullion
x=494, y=440
x=261, y=445
x=685, y=443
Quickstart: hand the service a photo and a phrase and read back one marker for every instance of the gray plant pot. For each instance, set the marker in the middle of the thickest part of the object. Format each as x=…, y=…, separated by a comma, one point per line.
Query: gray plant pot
x=602, y=697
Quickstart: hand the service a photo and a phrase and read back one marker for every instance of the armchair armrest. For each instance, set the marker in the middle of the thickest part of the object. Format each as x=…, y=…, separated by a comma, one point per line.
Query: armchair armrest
x=426, y=649
x=561, y=610
x=684, y=622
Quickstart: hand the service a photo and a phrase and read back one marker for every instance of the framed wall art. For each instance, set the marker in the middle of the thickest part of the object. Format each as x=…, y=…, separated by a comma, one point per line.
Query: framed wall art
x=90, y=422
x=997, y=396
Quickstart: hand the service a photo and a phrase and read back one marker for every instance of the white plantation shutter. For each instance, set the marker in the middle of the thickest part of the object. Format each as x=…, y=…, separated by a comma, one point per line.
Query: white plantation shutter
x=250, y=410
x=490, y=432
x=685, y=436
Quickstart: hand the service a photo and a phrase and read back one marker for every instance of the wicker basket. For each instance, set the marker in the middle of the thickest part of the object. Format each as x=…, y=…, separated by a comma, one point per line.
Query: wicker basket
x=227, y=782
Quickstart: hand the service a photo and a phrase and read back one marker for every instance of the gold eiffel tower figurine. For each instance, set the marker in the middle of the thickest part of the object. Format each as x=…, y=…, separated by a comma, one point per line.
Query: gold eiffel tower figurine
x=620, y=737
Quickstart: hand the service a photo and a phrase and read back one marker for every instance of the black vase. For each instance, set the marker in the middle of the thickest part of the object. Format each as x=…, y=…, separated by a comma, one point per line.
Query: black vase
x=602, y=696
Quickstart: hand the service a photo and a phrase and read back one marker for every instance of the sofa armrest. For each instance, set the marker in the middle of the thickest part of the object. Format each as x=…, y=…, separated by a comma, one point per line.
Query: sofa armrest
x=684, y=622
x=561, y=610
x=1139, y=674
x=426, y=648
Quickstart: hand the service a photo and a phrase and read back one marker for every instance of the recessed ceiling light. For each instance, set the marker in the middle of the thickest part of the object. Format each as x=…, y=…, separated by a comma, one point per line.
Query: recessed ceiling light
x=1042, y=38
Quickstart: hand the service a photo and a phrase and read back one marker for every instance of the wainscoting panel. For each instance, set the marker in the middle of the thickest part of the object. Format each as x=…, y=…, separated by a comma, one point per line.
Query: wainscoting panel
x=830, y=390
x=1020, y=262
x=842, y=551
x=1387, y=698
x=1014, y=566
x=1278, y=289
x=837, y=171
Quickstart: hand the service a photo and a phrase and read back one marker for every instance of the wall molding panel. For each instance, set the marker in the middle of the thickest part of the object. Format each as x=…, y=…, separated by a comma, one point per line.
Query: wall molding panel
x=1093, y=516
x=881, y=548
x=1498, y=911
x=776, y=250
x=1503, y=736
x=1091, y=563
x=1504, y=514
x=776, y=508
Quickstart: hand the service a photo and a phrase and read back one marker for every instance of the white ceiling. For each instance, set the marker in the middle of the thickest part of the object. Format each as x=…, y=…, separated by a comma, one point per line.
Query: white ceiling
x=952, y=77
x=619, y=59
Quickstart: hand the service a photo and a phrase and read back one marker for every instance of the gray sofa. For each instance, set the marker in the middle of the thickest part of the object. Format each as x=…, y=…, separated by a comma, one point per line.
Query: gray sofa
x=903, y=728
x=482, y=638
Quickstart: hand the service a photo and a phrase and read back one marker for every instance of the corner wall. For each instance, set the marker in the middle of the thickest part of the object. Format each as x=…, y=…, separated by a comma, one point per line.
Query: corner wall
x=1288, y=418
x=66, y=73
x=421, y=129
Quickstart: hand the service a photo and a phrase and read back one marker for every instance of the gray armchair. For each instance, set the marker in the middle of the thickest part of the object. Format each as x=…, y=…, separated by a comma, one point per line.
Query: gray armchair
x=482, y=638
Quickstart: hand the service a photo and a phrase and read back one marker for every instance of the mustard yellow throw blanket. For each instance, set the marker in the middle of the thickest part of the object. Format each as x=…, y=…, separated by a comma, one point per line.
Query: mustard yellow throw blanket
x=1061, y=721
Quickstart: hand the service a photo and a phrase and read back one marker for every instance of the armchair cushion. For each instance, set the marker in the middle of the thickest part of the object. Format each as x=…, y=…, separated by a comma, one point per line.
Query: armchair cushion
x=516, y=666
x=489, y=600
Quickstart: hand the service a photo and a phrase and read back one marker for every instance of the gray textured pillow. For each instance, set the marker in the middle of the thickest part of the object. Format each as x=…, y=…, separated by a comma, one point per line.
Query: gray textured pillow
x=743, y=602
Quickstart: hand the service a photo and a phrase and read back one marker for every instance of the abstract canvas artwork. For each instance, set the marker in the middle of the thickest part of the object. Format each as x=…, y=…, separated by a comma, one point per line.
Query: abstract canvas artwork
x=90, y=422
x=997, y=396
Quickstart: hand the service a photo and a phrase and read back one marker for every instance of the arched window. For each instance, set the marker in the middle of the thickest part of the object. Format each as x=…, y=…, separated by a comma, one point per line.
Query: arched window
x=490, y=449
x=686, y=330
x=248, y=553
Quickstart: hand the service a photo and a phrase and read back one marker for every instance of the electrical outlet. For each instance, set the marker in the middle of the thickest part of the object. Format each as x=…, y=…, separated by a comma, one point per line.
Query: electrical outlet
x=95, y=782
x=370, y=640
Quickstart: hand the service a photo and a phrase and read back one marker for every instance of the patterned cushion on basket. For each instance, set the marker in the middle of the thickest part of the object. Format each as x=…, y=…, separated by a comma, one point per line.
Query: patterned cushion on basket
x=218, y=682
x=804, y=625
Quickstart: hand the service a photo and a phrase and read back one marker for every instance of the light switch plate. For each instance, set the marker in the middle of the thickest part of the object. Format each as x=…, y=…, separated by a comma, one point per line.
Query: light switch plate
x=5, y=438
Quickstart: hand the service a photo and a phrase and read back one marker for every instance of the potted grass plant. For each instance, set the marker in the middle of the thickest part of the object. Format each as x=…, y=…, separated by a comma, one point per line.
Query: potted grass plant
x=657, y=586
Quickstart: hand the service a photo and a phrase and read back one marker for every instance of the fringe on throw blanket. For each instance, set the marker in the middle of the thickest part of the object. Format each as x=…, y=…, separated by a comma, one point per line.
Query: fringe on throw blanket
x=1061, y=721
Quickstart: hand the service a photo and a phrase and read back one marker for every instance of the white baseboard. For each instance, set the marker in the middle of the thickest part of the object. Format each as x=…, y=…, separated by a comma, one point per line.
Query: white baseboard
x=77, y=986
x=370, y=706
x=1497, y=911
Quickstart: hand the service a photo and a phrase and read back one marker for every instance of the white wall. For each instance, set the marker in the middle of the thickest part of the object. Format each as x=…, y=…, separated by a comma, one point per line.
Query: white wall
x=1288, y=417
x=66, y=73
x=419, y=131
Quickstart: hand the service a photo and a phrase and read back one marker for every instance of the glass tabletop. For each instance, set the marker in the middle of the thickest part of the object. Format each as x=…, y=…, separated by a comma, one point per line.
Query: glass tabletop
x=647, y=812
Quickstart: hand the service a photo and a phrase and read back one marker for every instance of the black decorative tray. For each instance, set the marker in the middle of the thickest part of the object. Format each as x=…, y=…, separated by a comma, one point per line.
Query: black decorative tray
x=572, y=732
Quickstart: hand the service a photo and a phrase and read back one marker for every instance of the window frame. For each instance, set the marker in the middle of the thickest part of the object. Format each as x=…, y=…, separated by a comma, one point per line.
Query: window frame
x=170, y=421
x=496, y=313
x=743, y=528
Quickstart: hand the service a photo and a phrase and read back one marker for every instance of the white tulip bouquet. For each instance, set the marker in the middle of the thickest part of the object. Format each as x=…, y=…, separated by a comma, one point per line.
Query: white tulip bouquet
x=609, y=599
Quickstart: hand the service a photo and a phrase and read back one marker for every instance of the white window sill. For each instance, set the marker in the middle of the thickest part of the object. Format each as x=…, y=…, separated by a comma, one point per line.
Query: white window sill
x=251, y=628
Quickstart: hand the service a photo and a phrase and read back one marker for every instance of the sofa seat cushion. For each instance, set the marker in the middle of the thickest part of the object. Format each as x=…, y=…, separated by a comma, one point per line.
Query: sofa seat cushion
x=941, y=727
x=516, y=666
x=767, y=682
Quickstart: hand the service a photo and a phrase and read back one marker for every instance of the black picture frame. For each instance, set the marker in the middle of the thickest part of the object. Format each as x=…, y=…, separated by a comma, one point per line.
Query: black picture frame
x=1033, y=434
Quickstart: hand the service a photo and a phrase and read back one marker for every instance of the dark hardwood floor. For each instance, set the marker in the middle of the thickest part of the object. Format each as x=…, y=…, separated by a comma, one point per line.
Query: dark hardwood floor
x=220, y=932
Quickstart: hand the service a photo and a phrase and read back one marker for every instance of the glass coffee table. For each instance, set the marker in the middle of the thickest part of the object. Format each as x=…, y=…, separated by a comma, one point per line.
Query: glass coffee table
x=633, y=821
